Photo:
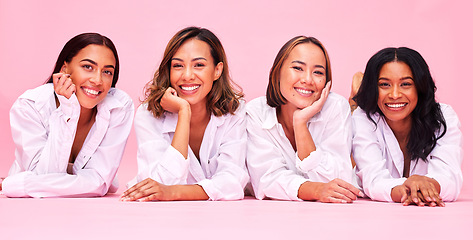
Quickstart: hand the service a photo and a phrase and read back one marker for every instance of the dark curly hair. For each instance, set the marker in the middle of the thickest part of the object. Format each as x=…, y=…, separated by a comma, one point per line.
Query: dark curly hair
x=428, y=123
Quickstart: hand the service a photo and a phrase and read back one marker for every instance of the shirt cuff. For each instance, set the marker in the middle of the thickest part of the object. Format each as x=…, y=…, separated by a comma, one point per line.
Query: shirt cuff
x=14, y=186
x=309, y=163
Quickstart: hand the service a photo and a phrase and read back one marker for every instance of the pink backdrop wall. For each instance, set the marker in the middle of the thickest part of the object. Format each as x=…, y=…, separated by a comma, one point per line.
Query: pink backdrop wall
x=33, y=32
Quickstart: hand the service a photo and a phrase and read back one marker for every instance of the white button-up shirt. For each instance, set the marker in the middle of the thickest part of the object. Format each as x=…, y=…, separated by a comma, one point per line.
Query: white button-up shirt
x=44, y=134
x=380, y=161
x=275, y=169
x=221, y=171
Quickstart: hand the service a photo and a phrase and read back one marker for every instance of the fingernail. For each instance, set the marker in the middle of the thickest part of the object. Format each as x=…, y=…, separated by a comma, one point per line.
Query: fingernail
x=361, y=194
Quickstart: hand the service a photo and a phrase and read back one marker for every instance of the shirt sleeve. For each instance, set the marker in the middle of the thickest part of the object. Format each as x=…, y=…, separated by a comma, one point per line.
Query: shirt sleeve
x=270, y=177
x=371, y=167
x=33, y=178
x=331, y=159
x=230, y=178
x=446, y=158
x=157, y=158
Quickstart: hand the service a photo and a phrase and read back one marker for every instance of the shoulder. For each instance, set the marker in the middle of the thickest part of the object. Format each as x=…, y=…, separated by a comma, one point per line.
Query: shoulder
x=257, y=106
x=336, y=104
x=117, y=99
x=37, y=98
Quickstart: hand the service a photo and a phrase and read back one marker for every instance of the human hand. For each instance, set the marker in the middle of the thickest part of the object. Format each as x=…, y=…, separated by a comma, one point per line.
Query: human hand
x=335, y=191
x=303, y=115
x=173, y=103
x=423, y=191
x=148, y=190
x=63, y=85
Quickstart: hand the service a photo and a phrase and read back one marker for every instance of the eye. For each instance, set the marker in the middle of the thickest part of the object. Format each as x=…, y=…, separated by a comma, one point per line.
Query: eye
x=383, y=84
x=87, y=66
x=297, y=68
x=176, y=65
x=319, y=72
x=406, y=84
x=199, y=65
x=108, y=72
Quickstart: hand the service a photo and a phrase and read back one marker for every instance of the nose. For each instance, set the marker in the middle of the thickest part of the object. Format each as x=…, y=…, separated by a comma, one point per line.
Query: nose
x=307, y=78
x=395, y=93
x=188, y=73
x=97, y=78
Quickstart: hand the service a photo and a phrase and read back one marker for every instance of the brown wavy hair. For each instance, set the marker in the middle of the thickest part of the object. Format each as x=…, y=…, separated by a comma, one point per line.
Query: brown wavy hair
x=224, y=96
x=274, y=97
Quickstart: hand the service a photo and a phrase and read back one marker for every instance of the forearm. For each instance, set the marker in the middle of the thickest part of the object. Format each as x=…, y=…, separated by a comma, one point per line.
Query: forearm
x=304, y=142
x=308, y=190
x=180, y=141
x=189, y=192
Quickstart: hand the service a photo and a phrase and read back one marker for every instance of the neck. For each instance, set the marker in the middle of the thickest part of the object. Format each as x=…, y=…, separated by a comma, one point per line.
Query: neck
x=285, y=115
x=199, y=114
x=87, y=115
x=401, y=129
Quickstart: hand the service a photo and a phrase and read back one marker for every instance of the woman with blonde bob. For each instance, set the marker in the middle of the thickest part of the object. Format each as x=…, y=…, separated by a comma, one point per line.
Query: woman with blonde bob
x=299, y=135
x=191, y=129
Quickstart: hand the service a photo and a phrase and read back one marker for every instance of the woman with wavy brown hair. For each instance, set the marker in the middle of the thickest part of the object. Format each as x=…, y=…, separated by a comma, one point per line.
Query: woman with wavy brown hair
x=191, y=129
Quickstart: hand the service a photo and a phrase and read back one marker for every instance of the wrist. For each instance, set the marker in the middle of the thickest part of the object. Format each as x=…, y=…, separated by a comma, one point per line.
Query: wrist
x=309, y=190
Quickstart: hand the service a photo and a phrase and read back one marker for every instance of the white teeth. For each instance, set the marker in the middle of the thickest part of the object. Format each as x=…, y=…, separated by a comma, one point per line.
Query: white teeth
x=90, y=91
x=303, y=91
x=190, y=88
x=396, y=105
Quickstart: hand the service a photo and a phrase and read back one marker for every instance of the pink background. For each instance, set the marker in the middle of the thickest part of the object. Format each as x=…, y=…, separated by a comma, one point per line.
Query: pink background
x=32, y=33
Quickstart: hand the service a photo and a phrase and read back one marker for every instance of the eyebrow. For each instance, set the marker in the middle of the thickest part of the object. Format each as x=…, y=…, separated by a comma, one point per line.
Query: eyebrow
x=194, y=59
x=303, y=63
x=403, y=78
x=94, y=63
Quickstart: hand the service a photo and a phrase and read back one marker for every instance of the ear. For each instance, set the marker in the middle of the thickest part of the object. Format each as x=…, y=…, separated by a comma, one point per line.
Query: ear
x=64, y=68
x=218, y=70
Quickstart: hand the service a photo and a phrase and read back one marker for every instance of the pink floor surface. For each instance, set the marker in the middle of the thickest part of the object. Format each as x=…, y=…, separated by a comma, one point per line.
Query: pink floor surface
x=108, y=218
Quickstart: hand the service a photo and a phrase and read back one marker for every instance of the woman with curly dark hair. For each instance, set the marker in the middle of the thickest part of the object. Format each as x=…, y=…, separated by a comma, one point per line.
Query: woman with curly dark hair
x=191, y=128
x=407, y=147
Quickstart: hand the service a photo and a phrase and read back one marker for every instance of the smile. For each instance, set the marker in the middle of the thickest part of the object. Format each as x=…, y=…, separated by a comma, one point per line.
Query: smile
x=189, y=88
x=304, y=92
x=91, y=91
x=396, y=105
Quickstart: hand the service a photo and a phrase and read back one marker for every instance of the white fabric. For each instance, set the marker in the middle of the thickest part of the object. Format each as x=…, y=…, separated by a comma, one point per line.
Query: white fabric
x=275, y=169
x=380, y=161
x=221, y=171
x=44, y=134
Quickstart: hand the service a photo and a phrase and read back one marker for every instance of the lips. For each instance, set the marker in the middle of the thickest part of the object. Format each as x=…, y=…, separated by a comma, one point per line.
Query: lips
x=189, y=88
x=396, y=105
x=304, y=92
x=91, y=92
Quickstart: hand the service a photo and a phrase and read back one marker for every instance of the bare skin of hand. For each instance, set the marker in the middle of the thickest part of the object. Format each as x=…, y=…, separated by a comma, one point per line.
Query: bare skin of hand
x=419, y=190
x=303, y=138
x=303, y=115
x=63, y=85
x=150, y=190
x=173, y=103
x=335, y=191
x=355, y=86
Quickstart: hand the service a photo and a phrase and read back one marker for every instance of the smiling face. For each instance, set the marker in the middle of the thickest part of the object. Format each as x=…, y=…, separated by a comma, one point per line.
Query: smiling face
x=397, y=92
x=91, y=71
x=193, y=71
x=303, y=75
